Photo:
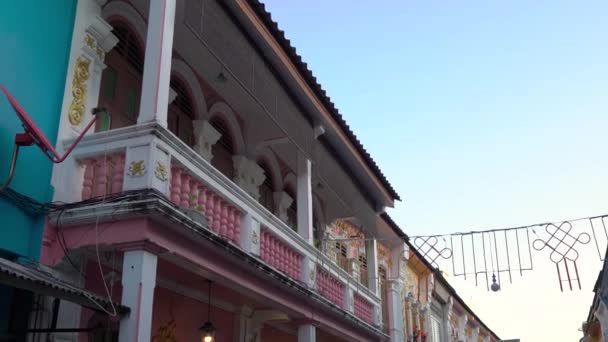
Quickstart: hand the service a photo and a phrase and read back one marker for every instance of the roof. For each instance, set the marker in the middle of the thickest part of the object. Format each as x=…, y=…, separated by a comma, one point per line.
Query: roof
x=32, y=278
x=279, y=35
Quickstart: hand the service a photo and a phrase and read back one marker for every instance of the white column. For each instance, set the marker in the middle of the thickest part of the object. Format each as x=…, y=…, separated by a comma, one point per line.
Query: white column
x=157, y=62
x=447, y=318
x=475, y=334
x=349, y=299
x=409, y=301
x=372, y=267
x=462, y=323
x=304, y=198
x=307, y=333
x=138, y=283
x=395, y=314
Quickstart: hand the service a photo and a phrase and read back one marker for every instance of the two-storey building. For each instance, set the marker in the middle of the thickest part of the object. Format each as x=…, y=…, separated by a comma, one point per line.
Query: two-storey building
x=222, y=193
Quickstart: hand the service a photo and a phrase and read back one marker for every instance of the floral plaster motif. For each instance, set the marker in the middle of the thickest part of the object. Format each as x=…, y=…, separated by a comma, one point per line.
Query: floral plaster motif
x=160, y=171
x=254, y=237
x=137, y=168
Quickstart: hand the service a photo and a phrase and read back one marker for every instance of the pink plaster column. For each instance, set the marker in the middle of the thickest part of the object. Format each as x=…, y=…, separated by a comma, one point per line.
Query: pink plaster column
x=230, y=222
x=194, y=192
x=87, y=184
x=176, y=184
x=209, y=209
x=202, y=198
x=224, y=221
x=118, y=173
x=237, y=225
x=217, y=214
x=185, y=194
x=101, y=176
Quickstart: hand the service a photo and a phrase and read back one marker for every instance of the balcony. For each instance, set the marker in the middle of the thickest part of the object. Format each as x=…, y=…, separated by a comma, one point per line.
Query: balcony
x=150, y=156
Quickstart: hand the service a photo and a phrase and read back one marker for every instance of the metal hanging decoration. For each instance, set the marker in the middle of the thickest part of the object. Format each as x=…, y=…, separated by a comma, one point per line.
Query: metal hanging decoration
x=563, y=250
x=493, y=253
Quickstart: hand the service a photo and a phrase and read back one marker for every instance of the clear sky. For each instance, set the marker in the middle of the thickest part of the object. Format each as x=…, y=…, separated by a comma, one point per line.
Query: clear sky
x=482, y=114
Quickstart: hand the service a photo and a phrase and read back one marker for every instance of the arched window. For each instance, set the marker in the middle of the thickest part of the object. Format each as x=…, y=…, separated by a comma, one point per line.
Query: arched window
x=223, y=149
x=292, y=211
x=267, y=188
x=121, y=80
x=181, y=113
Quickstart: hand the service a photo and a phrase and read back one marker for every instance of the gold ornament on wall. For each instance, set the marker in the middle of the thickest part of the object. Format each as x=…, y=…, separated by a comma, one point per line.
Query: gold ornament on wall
x=137, y=168
x=160, y=171
x=79, y=91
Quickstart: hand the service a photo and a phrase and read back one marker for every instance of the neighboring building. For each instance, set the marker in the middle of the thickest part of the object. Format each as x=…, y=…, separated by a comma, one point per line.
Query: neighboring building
x=36, y=38
x=595, y=328
x=222, y=187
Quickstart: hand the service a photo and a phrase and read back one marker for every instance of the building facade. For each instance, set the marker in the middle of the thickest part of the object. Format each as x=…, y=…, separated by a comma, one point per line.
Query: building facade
x=221, y=189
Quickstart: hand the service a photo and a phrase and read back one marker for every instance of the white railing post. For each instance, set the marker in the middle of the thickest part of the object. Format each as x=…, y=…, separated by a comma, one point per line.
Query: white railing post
x=250, y=234
x=147, y=167
x=157, y=62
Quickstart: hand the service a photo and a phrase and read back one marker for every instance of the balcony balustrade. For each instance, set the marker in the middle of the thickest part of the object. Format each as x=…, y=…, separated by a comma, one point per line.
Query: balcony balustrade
x=149, y=156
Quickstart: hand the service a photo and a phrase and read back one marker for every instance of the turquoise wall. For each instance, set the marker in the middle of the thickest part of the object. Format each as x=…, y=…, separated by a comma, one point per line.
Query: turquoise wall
x=35, y=36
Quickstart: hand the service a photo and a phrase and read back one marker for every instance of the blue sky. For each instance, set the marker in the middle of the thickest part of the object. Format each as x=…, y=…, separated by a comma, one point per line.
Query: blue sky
x=482, y=114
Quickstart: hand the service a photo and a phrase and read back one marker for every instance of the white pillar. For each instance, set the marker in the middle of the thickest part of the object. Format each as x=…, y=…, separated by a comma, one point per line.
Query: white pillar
x=475, y=334
x=395, y=314
x=304, y=198
x=138, y=283
x=447, y=318
x=307, y=333
x=372, y=267
x=157, y=62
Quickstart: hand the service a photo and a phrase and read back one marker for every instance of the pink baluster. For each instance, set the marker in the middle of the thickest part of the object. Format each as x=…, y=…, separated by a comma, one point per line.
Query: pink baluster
x=89, y=174
x=275, y=256
x=185, y=194
x=230, y=223
x=237, y=224
x=209, y=209
x=118, y=173
x=262, y=245
x=202, y=199
x=217, y=214
x=176, y=184
x=101, y=176
x=194, y=191
x=224, y=221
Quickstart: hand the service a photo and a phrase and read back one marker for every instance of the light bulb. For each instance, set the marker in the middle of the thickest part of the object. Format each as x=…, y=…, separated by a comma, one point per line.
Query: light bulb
x=208, y=339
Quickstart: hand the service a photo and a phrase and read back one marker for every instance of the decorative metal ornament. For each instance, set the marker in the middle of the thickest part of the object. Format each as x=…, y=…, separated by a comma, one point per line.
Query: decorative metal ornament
x=427, y=246
x=563, y=250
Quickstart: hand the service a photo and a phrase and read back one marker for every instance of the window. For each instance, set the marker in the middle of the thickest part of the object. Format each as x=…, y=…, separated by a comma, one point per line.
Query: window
x=267, y=189
x=181, y=113
x=292, y=211
x=363, y=268
x=122, y=78
x=341, y=256
x=383, y=296
x=436, y=328
x=223, y=149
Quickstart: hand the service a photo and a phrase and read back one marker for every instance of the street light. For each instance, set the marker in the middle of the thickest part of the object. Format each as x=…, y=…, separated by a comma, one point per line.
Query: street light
x=208, y=330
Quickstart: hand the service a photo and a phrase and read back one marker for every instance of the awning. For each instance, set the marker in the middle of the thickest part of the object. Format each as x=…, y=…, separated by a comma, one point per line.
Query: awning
x=34, y=279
